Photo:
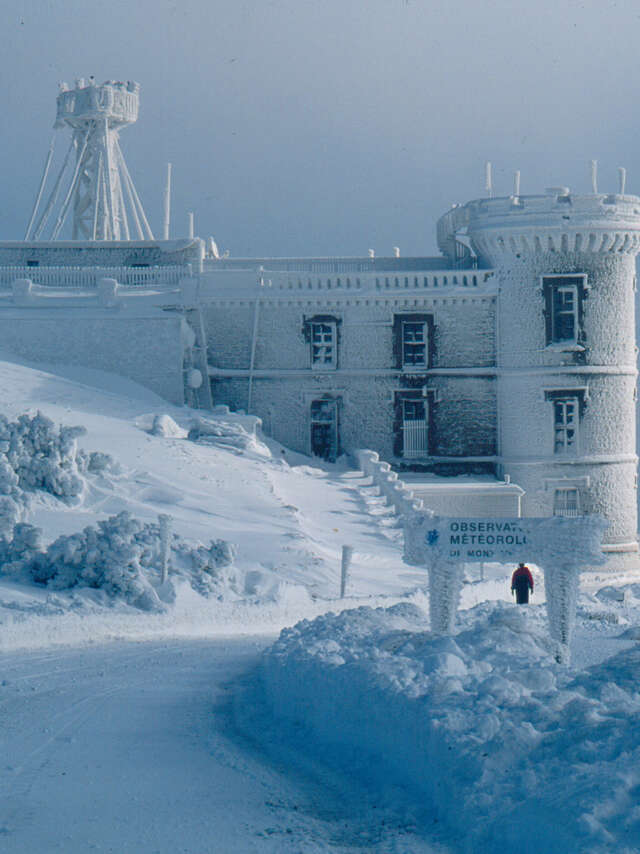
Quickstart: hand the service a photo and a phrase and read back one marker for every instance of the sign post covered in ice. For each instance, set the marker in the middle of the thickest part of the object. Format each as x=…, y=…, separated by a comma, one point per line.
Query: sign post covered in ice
x=560, y=546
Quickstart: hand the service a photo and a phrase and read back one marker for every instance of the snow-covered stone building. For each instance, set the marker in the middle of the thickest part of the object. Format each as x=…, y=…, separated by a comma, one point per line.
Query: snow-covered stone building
x=512, y=354
x=509, y=357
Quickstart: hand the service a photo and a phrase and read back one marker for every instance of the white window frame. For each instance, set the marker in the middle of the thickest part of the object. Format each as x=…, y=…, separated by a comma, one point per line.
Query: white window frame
x=555, y=285
x=568, y=445
x=323, y=338
x=566, y=501
x=422, y=366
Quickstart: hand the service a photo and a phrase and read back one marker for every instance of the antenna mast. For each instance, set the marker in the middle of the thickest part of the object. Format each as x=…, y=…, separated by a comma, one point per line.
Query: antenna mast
x=100, y=190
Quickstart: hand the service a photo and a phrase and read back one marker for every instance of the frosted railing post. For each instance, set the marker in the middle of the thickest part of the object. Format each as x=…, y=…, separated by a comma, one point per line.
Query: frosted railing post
x=22, y=291
x=164, y=523
x=561, y=584
x=347, y=554
x=107, y=292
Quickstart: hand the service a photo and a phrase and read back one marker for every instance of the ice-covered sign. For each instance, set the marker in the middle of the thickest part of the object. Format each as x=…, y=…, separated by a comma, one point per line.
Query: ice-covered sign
x=470, y=540
x=560, y=546
x=568, y=541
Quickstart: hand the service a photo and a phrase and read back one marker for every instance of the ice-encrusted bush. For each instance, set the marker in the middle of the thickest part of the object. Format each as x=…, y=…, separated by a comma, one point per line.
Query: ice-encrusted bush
x=42, y=455
x=37, y=455
x=120, y=555
x=210, y=569
x=19, y=549
x=9, y=514
x=110, y=556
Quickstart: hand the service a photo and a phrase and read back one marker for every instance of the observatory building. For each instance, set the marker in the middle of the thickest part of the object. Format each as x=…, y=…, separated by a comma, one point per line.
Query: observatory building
x=499, y=377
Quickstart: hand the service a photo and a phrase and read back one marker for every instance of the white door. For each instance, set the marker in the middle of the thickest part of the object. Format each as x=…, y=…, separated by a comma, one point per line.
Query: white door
x=415, y=435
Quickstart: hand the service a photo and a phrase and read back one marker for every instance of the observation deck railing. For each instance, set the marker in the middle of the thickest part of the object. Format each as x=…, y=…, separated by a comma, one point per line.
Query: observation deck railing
x=88, y=277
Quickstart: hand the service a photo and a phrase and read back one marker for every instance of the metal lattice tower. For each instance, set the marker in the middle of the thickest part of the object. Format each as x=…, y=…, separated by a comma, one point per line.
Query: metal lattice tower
x=99, y=187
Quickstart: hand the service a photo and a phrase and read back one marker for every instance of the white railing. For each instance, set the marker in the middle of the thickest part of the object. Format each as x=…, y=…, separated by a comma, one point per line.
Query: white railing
x=391, y=487
x=88, y=277
x=403, y=280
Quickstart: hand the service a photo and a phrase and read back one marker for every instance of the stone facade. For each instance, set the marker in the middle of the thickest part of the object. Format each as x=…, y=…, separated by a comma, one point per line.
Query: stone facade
x=146, y=347
x=567, y=376
x=259, y=329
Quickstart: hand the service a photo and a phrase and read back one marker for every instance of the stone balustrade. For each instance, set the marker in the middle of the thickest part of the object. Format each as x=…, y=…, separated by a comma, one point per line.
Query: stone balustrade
x=391, y=487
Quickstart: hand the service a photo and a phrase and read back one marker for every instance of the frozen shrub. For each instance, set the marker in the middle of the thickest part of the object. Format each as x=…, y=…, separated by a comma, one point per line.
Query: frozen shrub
x=9, y=514
x=209, y=568
x=35, y=455
x=21, y=549
x=95, y=462
x=110, y=556
x=8, y=478
x=120, y=555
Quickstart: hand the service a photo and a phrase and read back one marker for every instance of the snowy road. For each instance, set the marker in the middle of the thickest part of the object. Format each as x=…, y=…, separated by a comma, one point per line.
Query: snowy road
x=130, y=747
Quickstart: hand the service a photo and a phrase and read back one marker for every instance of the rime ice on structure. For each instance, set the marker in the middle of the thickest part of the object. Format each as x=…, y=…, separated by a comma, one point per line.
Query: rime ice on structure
x=101, y=189
x=512, y=353
x=565, y=353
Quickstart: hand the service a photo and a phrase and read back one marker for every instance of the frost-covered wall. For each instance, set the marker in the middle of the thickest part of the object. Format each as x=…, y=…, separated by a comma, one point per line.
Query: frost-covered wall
x=145, y=347
x=89, y=253
x=532, y=243
x=367, y=379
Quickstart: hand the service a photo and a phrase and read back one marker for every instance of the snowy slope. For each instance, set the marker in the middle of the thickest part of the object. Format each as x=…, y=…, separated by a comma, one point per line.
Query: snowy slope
x=288, y=523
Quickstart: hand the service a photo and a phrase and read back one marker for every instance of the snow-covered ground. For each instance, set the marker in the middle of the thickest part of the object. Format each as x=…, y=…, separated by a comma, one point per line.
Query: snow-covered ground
x=179, y=727
x=132, y=748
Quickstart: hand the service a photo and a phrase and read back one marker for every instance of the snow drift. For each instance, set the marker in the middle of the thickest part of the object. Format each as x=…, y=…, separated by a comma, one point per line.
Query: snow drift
x=500, y=739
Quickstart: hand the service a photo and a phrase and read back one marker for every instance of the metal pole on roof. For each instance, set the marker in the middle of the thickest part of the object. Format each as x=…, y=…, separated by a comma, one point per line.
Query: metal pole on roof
x=488, y=182
x=167, y=205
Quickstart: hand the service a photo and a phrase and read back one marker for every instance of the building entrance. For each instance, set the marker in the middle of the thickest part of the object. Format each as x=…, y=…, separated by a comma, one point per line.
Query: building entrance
x=415, y=434
x=324, y=429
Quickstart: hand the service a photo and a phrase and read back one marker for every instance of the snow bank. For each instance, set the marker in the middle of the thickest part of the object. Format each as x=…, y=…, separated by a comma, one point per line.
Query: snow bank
x=499, y=738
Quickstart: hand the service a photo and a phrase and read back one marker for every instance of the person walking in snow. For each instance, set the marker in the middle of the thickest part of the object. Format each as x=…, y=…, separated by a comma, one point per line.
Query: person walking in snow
x=522, y=584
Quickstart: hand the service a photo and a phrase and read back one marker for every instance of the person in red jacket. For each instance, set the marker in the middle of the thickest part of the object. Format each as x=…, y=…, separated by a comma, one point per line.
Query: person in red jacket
x=522, y=583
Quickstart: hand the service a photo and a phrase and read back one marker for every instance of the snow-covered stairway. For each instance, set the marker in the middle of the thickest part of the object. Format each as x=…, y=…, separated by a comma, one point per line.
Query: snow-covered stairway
x=340, y=510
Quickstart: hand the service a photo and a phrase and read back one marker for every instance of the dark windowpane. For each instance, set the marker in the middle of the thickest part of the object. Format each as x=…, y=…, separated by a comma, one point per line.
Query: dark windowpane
x=564, y=313
x=414, y=350
x=414, y=410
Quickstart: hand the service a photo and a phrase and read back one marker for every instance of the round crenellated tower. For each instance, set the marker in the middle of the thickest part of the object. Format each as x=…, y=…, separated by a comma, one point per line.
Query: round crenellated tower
x=566, y=355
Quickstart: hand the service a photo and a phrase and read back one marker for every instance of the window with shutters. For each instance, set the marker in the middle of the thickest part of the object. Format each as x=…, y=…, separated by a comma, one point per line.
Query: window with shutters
x=564, y=298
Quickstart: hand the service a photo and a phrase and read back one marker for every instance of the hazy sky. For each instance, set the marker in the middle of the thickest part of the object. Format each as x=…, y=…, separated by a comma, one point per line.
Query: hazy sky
x=320, y=127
